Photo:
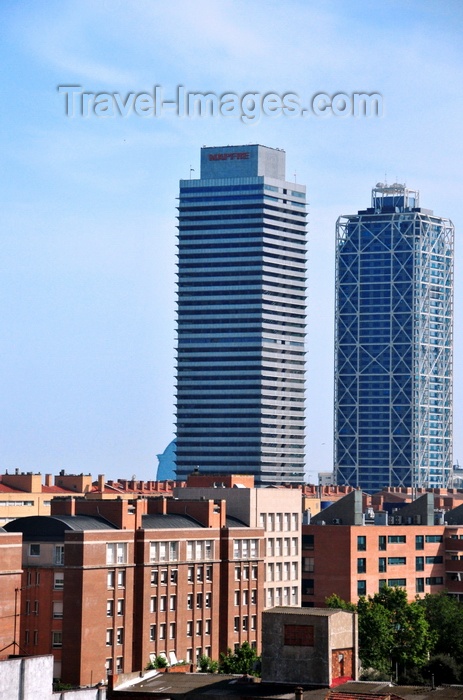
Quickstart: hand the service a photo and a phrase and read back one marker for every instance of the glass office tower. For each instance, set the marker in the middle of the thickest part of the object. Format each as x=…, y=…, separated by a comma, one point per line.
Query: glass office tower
x=241, y=317
x=393, y=344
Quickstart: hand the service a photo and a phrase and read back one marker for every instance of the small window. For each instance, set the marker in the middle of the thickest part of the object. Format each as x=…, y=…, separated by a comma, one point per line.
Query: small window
x=419, y=563
x=361, y=587
x=382, y=565
x=34, y=550
x=397, y=539
x=58, y=581
x=120, y=635
x=152, y=633
x=109, y=608
x=56, y=639
x=361, y=566
x=120, y=606
x=57, y=609
x=419, y=542
x=434, y=560
x=420, y=585
x=382, y=543
x=361, y=543
x=434, y=538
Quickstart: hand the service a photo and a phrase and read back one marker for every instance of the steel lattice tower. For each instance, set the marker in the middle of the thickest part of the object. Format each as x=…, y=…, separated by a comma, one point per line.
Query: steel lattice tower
x=393, y=344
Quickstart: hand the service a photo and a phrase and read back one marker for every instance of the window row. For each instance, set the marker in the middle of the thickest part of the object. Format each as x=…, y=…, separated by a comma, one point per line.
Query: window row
x=282, y=571
x=58, y=552
x=244, y=622
x=282, y=596
x=282, y=546
x=245, y=549
x=243, y=572
x=384, y=540
x=245, y=597
x=279, y=521
x=110, y=637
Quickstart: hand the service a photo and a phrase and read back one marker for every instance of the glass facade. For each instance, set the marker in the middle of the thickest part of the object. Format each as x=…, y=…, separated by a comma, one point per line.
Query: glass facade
x=241, y=317
x=393, y=344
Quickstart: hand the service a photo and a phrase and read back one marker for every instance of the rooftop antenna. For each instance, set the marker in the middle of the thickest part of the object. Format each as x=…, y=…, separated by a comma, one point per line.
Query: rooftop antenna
x=191, y=171
x=385, y=179
x=295, y=174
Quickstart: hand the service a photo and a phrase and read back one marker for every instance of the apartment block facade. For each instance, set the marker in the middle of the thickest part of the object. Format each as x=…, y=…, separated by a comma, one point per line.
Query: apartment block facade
x=108, y=585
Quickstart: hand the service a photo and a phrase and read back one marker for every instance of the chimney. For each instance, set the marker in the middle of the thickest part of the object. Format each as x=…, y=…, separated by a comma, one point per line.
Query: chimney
x=48, y=480
x=101, y=482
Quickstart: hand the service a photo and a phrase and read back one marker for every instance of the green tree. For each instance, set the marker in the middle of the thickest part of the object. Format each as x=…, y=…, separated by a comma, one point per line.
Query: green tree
x=392, y=631
x=444, y=614
x=243, y=660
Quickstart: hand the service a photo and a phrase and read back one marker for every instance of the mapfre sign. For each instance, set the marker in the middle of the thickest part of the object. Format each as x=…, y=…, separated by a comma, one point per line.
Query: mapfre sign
x=229, y=156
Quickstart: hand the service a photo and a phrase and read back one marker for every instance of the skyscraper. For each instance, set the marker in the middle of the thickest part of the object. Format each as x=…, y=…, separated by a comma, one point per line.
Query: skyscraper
x=241, y=317
x=393, y=344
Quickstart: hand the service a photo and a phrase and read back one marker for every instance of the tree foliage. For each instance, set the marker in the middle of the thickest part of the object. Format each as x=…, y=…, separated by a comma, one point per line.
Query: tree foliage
x=243, y=660
x=391, y=630
x=444, y=614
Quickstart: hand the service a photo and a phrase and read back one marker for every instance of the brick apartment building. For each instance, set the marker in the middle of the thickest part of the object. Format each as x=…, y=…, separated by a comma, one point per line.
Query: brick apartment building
x=109, y=584
x=348, y=553
x=10, y=592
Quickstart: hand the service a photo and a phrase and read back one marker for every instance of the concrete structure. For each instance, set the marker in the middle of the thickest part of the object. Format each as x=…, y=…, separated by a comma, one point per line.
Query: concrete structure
x=31, y=678
x=241, y=317
x=393, y=344
x=276, y=510
x=309, y=647
x=10, y=592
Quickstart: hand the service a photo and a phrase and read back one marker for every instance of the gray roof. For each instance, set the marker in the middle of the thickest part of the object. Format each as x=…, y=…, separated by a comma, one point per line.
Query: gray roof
x=169, y=521
x=234, y=522
x=319, y=612
x=39, y=528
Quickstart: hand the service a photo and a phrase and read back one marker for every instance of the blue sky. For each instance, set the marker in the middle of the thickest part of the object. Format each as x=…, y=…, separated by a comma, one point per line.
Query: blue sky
x=88, y=205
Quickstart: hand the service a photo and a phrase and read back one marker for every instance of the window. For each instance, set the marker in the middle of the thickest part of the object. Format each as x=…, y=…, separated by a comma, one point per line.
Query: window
x=162, y=631
x=361, y=587
x=26, y=637
x=152, y=633
x=198, y=550
x=419, y=542
x=172, y=630
x=36, y=638
x=286, y=549
x=382, y=543
x=286, y=571
x=237, y=573
x=294, y=567
x=294, y=521
x=173, y=576
x=109, y=608
x=120, y=606
x=434, y=560
x=361, y=543
x=59, y=555
x=396, y=539
x=208, y=573
x=245, y=623
x=189, y=601
x=419, y=563
x=207, y=626
x=208, y=600
x=57, y=609
x=277, y=596
x=119, y=664
x=154, y=577
x=189, y=628
x=109, y=665
x=307, y=586
x=163, y=603
x=37, y=578
x=199, y=600
x=420, y=585
x=163, y=551
x=270, y=597
x=402, y=582
x=121, y=579
x=58, y=581
x=286, y=521
x=396, y=561
x=270, y=547
x=307, y=542
x=361, y=566
x=36, y=607
x=153, y=604
x=120, y=635
x=294, y=546
x=382, y=565
x=199, y=574
x=28, y=607
x=173, y=602
x=164, y=577
x=56, y=639
x=434, y=581
x=278, y=571
x=246, y=597
x=116, y=553
x=294, y=595
x=278, y=547
x=237, y=597
x=109, y=637
x=199, y=628
x=236, y=624
x=34, y=550
x=191, y=574
x=382, y=582
x=270, y=572
x=434, y=538
x=279, y=522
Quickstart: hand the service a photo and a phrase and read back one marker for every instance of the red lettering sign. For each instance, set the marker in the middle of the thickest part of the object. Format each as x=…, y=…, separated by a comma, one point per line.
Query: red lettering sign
x=229, y=156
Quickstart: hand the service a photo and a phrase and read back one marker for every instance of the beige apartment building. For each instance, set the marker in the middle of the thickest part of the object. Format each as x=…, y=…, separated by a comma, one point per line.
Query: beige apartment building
x=278, y=510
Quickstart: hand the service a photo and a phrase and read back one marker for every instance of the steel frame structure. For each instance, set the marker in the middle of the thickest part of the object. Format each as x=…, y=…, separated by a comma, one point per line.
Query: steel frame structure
x=393, y=345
